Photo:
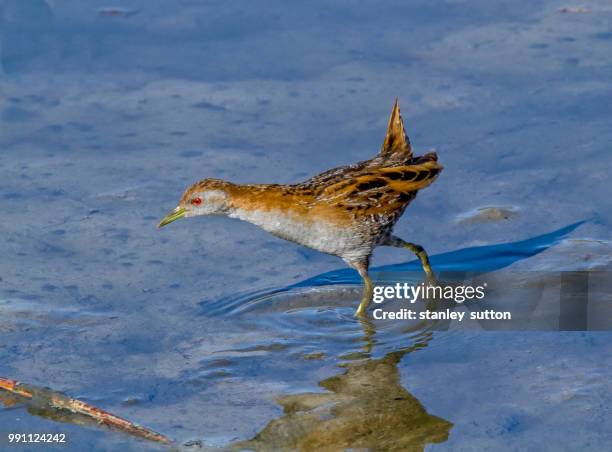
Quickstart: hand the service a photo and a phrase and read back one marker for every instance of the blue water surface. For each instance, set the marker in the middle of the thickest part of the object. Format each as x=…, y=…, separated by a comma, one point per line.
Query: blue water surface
x=108, y=111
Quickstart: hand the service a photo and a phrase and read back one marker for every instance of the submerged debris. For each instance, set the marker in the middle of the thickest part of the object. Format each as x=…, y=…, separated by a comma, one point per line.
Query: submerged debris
x=60, y=407
x=575, y=10
x=116, y=12
x=488, y=214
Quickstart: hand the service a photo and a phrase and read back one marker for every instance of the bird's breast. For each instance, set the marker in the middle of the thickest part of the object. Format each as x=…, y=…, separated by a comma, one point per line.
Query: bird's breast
x=305, y=228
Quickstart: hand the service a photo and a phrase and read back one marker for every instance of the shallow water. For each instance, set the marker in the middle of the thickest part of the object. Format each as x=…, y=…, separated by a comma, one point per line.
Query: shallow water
x=213, y=331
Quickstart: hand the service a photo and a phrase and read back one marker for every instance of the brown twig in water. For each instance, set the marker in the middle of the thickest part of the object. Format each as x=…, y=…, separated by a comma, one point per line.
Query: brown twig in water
x=59, y=401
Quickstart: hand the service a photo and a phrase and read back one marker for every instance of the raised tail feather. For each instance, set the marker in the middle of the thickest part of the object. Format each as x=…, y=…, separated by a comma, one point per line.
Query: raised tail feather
x=396, y=146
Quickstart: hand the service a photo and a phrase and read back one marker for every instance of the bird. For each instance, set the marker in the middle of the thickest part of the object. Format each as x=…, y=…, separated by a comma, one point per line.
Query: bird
x=346, y=211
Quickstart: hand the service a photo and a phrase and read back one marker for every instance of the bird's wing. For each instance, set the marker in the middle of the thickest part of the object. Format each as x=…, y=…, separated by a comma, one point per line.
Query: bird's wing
x=382, y=190
x=330, y=177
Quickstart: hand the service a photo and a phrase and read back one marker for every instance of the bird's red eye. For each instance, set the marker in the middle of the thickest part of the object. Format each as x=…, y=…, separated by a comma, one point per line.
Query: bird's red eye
x=196, y=201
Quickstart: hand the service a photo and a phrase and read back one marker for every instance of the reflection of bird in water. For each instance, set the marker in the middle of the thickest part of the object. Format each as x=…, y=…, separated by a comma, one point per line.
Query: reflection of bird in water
x=364, y=408
x=345, y=211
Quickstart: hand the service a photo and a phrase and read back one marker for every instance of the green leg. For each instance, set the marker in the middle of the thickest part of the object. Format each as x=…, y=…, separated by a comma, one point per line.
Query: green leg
x=424, y=258
x=420, y=253
x=368, y=290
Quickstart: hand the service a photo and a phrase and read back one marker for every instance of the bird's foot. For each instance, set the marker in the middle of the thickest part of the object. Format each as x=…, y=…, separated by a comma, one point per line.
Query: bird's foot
x=366, y=299
x=361, y=310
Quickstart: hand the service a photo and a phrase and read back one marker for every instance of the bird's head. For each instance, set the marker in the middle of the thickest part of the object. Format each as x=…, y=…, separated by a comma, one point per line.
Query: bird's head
x=206, y=197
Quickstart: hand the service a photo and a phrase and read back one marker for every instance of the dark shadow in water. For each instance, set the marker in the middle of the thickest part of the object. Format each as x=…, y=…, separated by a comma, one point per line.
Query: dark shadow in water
x=365, y=407
x=478, y=258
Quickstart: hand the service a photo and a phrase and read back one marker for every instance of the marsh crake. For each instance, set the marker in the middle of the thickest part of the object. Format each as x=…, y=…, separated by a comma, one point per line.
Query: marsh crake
x=345, y=211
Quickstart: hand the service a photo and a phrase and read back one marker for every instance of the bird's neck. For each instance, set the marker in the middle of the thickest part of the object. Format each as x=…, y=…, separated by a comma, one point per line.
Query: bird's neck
x=244, y=201
x=276, y=206
x=271, y=207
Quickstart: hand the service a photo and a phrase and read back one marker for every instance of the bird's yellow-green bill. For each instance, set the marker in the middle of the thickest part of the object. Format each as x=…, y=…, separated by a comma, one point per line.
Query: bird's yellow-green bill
x=177, y=213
